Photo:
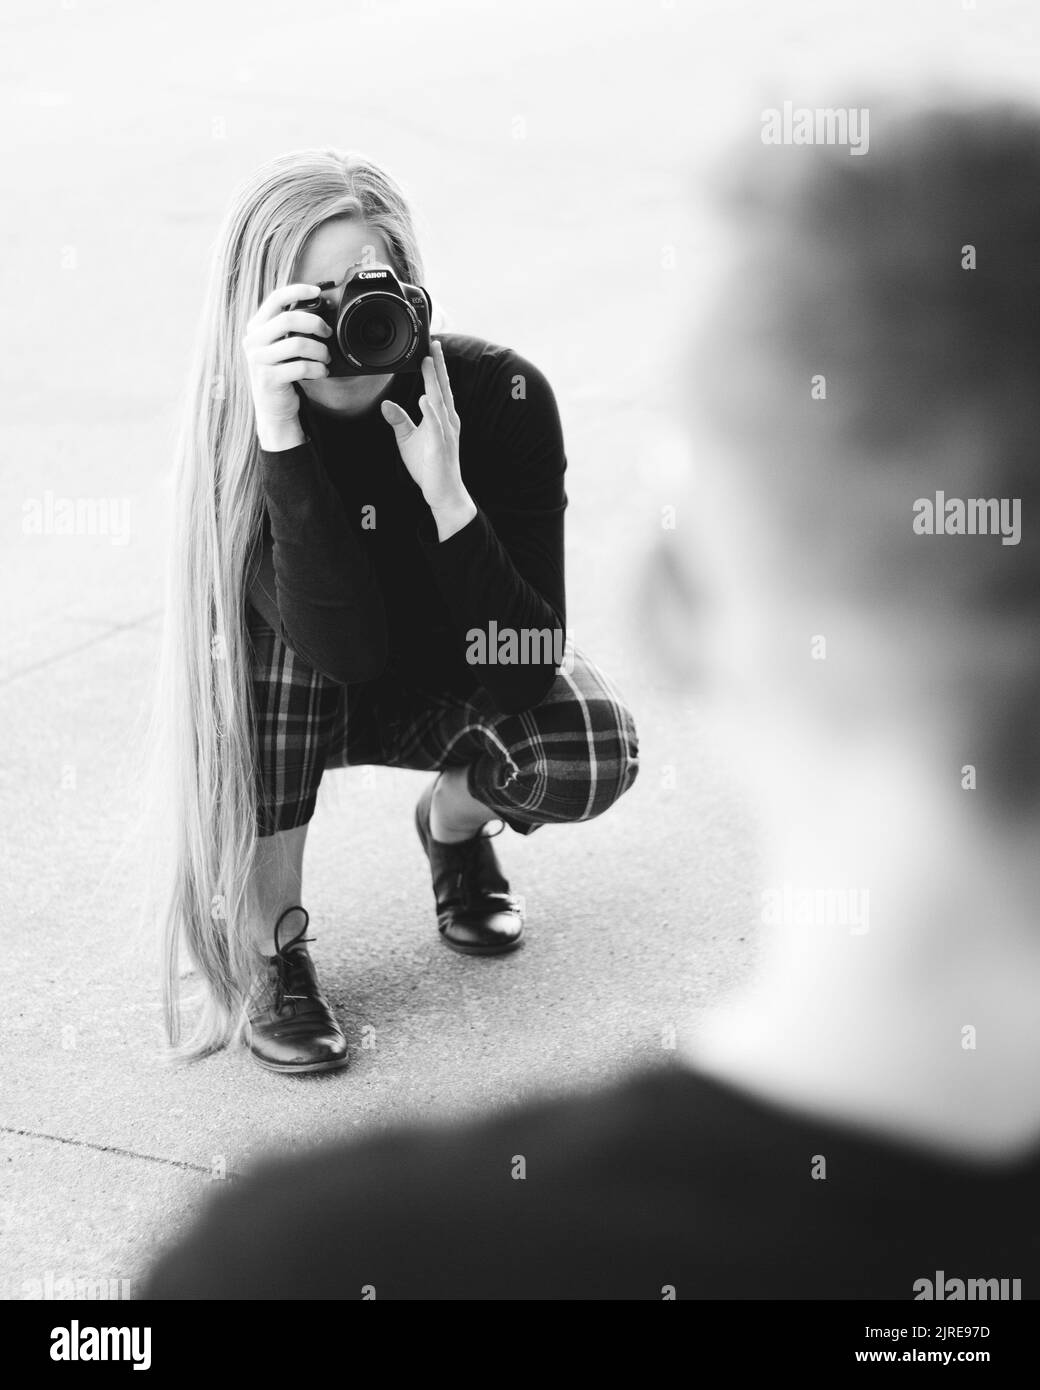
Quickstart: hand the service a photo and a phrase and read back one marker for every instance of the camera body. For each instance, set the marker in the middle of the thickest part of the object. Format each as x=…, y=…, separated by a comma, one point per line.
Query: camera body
x=380, y=325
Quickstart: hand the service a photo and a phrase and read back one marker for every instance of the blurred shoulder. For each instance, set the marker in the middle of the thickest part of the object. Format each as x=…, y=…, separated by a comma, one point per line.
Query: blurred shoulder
x=557, y=1127
x=426, y=1208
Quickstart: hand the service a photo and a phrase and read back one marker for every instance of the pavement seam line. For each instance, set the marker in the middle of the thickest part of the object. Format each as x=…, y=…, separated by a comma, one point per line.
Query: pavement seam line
x=108, y=1149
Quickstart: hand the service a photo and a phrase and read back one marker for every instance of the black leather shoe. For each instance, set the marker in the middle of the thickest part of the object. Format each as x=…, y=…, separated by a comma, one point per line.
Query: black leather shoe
x=476, y=913
x=294, y=1030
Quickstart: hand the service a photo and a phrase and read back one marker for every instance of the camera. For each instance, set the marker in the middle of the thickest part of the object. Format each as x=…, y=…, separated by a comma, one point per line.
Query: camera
x=379, y=324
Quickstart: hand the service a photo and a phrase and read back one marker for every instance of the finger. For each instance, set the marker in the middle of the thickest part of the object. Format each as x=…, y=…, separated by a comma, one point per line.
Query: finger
x=433, y=393
x=430, y=416
x=281, y=298
x=299, y=370
x=285, y=348
x=291, y=321
x=445, y=383
x=399, y=419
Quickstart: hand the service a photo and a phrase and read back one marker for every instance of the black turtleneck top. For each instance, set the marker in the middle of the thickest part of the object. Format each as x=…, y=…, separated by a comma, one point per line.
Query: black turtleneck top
x=352, y=574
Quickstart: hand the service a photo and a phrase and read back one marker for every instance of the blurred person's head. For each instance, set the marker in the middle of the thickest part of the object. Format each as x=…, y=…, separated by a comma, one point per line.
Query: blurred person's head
x=876, y=342
x=848, y=277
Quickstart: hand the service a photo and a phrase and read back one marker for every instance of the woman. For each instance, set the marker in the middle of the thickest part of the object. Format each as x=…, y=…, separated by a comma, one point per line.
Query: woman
x=340, y=544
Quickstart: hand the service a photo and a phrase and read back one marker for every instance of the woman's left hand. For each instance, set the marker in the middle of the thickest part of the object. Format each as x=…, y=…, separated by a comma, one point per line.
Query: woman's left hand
x=430, y=450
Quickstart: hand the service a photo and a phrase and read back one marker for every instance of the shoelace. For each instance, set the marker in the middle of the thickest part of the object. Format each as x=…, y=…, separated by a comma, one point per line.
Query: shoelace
x=280, y=995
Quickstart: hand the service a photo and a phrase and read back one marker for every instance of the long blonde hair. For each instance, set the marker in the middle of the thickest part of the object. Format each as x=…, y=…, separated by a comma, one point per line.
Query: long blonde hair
x=201, y=741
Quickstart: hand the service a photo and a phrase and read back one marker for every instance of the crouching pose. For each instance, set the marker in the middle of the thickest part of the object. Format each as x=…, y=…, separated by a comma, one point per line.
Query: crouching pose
x=367, y=567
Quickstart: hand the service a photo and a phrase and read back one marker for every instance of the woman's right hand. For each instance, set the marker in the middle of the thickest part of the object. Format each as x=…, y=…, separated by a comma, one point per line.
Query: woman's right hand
x=273, y=365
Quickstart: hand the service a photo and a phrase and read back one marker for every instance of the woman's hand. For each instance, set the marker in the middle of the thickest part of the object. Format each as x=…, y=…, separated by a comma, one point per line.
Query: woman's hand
x=430, y=450
x=276, y=361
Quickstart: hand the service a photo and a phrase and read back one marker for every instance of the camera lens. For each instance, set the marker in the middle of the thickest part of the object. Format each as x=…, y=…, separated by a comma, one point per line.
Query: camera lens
x=378, y=330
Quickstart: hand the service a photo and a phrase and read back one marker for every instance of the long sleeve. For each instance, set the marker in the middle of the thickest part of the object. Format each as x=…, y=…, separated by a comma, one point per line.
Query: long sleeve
x=503, y=573
x=325, y=589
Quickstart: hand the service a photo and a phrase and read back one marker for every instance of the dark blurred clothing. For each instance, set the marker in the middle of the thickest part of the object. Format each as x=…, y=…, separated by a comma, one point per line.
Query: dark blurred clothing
x=665, y=1180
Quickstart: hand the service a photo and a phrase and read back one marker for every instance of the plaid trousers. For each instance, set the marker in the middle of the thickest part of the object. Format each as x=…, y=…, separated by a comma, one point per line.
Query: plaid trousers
x=566, y=759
